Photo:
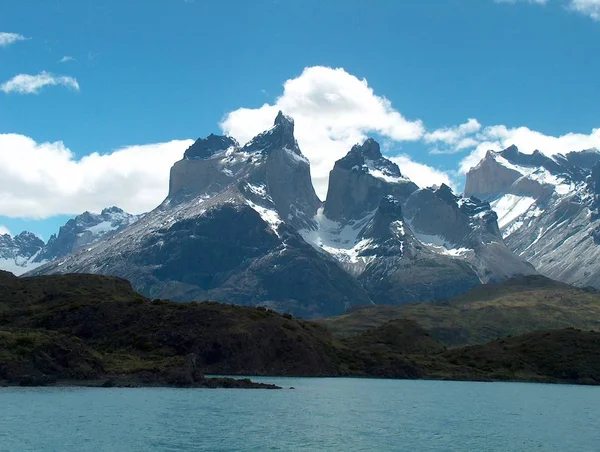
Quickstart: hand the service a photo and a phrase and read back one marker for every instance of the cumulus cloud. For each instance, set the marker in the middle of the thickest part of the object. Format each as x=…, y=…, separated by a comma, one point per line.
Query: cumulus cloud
x=450, y=140
x=66, y=59
x=44, y=179
x=4, y=230
x=32, y=84
x=333, y=110
x=500, y=137
x=590, y=8
x=7, y=39
x=423, y=175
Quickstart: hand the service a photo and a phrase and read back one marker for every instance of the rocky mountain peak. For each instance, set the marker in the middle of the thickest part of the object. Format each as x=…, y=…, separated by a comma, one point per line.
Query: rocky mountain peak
x=370, y=149
x=17, y=252
x=284, y=120
x=205, y=148
x=445, y=192
x=29, y=241
x=367, y=158
x=280, y=136
x=584, y=159
x=360, y=180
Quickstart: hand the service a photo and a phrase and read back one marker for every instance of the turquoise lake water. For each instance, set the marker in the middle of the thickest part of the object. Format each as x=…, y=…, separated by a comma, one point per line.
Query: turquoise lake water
x=319, y=415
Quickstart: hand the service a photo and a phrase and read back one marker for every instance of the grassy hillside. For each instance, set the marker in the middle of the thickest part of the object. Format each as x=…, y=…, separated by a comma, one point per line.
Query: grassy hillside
x=89, y=329
x=517, y=306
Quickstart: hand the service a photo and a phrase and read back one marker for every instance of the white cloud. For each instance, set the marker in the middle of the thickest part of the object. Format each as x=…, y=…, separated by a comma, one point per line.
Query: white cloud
x=4, y=230
x=7, y=39
x=588, y=7
x=333, y=110
x=421, y=174
x=66, y=59
x=44, y=179
x=32, y=84
x=500, y=137
x=451, y=140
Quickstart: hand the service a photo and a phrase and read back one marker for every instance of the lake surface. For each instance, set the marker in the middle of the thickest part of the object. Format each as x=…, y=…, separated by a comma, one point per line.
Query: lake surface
x=319, y=415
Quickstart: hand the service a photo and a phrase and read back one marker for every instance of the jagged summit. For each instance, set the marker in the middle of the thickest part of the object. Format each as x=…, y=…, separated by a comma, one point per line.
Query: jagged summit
x=269, y=171
x=205, y=148
x=367, y=158
x=280, y=136
x=370, y=149
x=17, y=253
x=360, y=180
x=284, y=120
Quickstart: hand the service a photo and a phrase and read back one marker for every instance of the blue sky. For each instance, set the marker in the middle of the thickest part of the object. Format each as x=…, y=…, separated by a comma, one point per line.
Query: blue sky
x=157, y=73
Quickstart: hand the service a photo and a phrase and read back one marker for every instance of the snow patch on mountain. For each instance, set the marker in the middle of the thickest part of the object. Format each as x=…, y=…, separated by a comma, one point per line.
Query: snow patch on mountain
x=269, y=216
x=510, y=207
x=19, y=265
x=541, y=175
x=343, y=242
x=381, y=172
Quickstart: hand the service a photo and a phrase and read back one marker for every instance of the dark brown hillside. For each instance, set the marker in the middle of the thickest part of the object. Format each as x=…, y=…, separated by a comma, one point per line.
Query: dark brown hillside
x=517, y=306
x=567, y=355
x=94, y=330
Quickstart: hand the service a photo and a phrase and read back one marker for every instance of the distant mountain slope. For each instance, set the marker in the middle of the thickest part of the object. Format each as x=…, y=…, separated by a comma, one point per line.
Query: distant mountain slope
x=18, y=254
x=517, y=306
x=26, y=251
x=547, y=209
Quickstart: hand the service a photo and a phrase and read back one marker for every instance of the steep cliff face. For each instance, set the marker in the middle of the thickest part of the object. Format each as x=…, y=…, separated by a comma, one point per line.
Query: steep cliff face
x=548, y=215
x=269, y=165
x=360, y=180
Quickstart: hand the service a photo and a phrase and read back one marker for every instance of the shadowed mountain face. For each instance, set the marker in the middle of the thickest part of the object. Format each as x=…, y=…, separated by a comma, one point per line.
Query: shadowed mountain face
x=242, y=224
x=547, y=209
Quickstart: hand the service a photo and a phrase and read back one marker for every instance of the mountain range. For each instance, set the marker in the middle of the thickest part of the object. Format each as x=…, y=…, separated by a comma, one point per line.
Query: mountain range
x=547, y=207
x=27, y=251
x=243, y=225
